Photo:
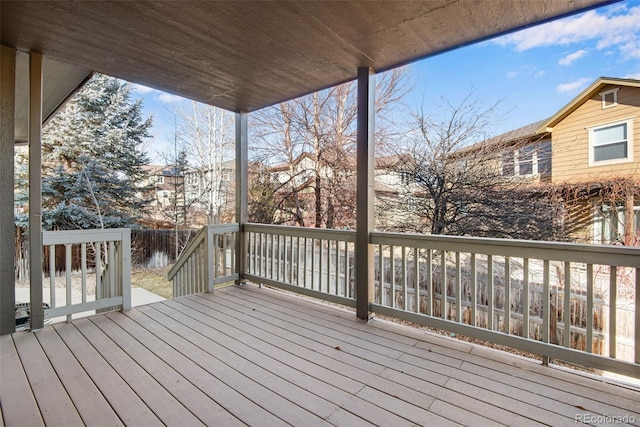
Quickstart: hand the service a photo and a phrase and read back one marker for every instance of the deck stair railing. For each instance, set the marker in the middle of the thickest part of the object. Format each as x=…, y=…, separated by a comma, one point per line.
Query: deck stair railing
x=208, y=260
x=104, y=282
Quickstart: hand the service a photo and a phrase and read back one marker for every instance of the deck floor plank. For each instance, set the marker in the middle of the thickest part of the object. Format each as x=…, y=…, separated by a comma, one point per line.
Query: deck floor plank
x=323, y=385
x=327, y=339
x=192, y=398
x=167, y=408
x=279, y=355
x=56, y=407
x=435, y=390
x=242, y=357
x=185, y=339
x=558, y=379
x=291, y=347
x=18, y=403
x=255, y=356
x=283, y=385
x=563, y=402
x=157, y=339
x=356, y=337
x=349, y=366
x=89, y=401
x=127, y=404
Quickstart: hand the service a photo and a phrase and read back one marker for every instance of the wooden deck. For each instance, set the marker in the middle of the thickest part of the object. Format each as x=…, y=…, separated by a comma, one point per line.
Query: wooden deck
x=250, y=356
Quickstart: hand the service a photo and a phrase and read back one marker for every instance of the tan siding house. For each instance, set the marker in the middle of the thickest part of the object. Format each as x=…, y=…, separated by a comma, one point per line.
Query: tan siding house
x=596, y=153
x=588, y=154
x=594, y=139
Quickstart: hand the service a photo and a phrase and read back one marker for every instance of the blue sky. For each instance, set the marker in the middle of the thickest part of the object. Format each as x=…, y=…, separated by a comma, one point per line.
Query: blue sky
x=531, y=73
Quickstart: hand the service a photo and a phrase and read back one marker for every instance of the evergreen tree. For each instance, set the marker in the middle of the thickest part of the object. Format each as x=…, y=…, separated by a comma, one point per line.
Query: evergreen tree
x=93, y=159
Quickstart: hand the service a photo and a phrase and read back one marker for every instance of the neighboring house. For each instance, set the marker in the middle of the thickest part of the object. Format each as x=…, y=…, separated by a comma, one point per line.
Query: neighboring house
x=587, y=153
x=396, y=194
x=295, y=184
x=594, y=152
x=295, y=189
x=210, y=193
x=197, y=197
x=167, y=193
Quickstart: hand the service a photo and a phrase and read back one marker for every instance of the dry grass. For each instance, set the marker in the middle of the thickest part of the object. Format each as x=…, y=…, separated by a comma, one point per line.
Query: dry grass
x=153, y=280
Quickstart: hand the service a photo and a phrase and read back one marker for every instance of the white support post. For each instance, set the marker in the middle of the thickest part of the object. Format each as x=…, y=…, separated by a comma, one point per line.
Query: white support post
x=242, y=192
x=364, y=201
x=209, y=252
x=35, y=190
x=7, y=230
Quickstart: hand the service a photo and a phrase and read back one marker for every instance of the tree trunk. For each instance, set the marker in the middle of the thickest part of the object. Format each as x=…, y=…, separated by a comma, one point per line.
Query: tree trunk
x=629, y=234
x=318, y=194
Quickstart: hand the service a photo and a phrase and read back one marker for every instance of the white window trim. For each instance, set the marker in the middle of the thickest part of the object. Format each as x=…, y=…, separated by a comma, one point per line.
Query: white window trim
x=604, y=98
x=628, y=159
x=515, y=161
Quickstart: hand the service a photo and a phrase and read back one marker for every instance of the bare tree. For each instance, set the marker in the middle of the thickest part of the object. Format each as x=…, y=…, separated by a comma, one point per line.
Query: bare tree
x=458, y=185
x=206, y=135
x=320, y=129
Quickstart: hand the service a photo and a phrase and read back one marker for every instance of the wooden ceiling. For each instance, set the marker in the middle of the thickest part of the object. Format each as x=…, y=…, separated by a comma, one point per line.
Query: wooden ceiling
x=245, y=55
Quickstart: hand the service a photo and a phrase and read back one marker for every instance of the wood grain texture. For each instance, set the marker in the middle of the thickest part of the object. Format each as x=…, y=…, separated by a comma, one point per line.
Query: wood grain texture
x=7, y=228
x=242, y=56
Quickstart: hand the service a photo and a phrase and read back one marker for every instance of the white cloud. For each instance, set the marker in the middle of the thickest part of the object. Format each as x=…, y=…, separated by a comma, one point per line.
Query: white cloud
x=631, y=50
x=142, y=89
x=573, y=86
x=617, y=27
x=567, y=60
x=633, y=76
x=168, y=98
x=526, y=70
x=158, y=95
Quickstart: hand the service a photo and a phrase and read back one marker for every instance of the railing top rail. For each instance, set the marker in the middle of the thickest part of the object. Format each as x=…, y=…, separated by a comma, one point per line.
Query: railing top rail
x=84, y=236
x=555, y=251
x=224, y=228
x=313, y=233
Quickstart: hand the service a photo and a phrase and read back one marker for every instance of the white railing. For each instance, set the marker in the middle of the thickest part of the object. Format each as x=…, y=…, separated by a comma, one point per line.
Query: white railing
x=104, y=280
x=311, y=261
x=209, y=259
x=575, y=303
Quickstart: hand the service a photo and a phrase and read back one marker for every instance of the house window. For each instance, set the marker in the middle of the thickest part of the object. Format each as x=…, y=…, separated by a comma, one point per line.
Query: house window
x=525, y=160
x=192, y=179
x=544, y=158
x=611, y=143
x=159, y=179
x=508, y=168
x=532, y=159
x=609, y=98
